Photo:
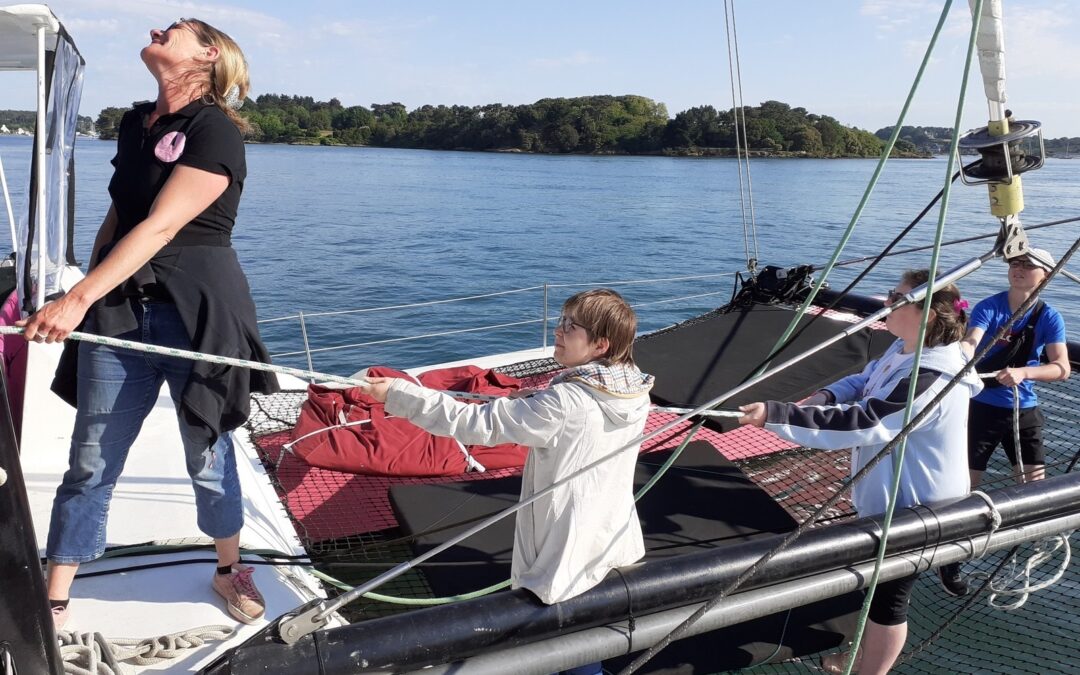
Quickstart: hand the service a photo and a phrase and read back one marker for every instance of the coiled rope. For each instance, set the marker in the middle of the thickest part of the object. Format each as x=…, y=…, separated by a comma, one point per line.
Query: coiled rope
x=93, y=654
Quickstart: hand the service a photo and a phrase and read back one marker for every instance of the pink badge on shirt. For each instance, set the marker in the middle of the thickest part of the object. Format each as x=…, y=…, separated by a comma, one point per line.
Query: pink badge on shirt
x=171, y=146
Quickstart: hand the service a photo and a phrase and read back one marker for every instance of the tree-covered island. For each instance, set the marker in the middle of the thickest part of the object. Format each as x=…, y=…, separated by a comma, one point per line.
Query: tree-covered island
x=586, y=125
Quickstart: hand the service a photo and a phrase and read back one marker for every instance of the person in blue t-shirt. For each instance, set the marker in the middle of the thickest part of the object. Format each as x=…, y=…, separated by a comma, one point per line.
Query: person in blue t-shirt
x=1017, y=360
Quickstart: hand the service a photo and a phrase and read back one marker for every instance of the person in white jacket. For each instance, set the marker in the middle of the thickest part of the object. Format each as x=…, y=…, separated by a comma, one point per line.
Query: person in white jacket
x=567, y=541
x=866, y=411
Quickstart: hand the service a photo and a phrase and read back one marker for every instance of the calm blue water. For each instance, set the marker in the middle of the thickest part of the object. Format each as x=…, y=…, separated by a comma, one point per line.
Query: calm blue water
x=325, y=229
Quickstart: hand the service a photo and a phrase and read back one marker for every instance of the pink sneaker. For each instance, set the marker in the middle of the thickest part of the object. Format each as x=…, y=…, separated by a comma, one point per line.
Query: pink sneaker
x=59, y=617
x=242, y=599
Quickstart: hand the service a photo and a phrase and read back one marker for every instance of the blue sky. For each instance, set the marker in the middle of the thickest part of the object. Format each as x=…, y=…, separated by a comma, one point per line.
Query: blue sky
x=852, y=59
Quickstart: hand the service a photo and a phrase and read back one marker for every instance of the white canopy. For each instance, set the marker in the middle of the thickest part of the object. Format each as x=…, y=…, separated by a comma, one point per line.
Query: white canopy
x=18, y=35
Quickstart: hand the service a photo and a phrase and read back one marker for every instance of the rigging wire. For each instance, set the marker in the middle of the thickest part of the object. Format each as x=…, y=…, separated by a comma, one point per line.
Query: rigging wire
x=886, y=152
x=953, y=242
x=746, y=142
x=847, y=290
x=738, y=146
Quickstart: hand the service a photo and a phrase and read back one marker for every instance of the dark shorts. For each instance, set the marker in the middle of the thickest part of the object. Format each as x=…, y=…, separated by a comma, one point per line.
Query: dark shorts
x=890, y=604
x=990, y=426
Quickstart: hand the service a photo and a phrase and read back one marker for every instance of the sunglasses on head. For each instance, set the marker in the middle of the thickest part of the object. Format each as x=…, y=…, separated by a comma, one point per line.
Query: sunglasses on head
x=179, y=23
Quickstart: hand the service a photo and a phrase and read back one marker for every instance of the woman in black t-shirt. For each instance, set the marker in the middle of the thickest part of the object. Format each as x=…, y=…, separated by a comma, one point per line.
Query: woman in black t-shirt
x=162, y=271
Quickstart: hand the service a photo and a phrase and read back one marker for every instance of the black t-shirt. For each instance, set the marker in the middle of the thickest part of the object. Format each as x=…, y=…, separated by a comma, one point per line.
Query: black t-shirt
x=199, y=135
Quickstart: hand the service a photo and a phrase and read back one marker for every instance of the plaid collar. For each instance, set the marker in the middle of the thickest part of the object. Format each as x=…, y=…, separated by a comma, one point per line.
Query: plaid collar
x=618, y=379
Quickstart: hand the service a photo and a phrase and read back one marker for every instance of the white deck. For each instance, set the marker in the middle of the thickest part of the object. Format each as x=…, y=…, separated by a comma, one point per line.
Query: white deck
x=154, y=501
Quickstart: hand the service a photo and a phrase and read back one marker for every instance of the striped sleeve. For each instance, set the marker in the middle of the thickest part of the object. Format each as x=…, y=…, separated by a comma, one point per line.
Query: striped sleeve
x=866, y=422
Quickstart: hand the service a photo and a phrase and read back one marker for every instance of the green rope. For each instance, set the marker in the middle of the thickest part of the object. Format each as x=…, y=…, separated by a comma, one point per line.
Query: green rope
x=898, y=456
x=392, y=599
x=684, y=626
x=143, y=549
x=885, y=153
x=423, y=602
x=670, y=460
x=307, y=374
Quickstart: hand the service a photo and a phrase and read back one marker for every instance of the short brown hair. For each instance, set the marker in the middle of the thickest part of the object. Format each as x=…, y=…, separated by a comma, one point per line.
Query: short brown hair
x=950, y=320
x=605, y=314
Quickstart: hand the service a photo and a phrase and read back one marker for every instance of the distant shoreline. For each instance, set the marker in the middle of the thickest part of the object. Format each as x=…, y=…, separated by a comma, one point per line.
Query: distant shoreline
x=700, y=153
x=695, y=153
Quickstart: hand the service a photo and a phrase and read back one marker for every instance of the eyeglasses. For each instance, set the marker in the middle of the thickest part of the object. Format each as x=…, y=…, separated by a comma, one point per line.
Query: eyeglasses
x=894, y=296
x=566, y=324
x=1022, y=264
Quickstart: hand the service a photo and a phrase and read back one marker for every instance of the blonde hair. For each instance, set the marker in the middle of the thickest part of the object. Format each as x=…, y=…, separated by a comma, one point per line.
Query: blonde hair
x=228, y=71
x=605, y=314
x=950, y=320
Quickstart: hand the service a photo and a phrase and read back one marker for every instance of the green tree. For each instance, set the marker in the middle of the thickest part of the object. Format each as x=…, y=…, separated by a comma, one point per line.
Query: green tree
x=108, y=122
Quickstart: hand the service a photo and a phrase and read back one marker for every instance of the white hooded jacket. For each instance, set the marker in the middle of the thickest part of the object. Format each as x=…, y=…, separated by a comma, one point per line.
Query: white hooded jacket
x=568, y=540
x=869, y=412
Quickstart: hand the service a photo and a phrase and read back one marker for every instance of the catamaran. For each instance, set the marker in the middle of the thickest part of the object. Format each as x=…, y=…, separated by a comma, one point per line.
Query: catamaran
x=754, y=555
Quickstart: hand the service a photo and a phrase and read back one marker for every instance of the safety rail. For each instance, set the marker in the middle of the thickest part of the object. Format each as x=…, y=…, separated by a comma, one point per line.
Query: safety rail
x=302, y=318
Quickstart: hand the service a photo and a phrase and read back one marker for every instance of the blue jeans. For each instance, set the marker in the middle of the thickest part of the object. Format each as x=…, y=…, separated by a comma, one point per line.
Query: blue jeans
x=117, y=389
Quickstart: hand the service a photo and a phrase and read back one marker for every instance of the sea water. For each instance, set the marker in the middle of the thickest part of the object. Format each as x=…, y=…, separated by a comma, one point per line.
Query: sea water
x=335, y=229
x=325, y=229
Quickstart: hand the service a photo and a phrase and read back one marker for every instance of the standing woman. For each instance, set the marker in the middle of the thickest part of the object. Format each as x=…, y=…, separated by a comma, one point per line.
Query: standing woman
x=864, y=412
x=163, y=272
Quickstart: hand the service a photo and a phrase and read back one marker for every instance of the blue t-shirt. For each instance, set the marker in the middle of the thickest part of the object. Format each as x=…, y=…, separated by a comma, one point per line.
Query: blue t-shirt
x=990, y=315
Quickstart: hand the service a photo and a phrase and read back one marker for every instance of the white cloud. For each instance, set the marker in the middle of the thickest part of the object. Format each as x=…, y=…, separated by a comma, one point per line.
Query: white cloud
x=1040, y=43
x=79, y=26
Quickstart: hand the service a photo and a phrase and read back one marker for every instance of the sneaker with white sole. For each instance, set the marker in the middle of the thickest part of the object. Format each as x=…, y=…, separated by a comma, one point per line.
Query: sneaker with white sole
x=952, y=580
x=244, y=602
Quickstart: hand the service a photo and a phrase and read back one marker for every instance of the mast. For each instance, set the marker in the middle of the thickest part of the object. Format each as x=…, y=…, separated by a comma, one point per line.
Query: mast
x=1000, y=142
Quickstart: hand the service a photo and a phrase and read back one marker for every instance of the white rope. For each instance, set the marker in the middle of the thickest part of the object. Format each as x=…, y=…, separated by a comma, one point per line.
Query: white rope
x=1016, y=434
x=302, y=374
x=93, y=654
x=705, y=413
x=995, y=521
x=198, y=356
x=1000, y=584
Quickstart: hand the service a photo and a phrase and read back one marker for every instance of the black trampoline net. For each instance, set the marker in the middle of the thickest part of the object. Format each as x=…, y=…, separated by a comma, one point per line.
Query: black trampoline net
x=347, y=526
